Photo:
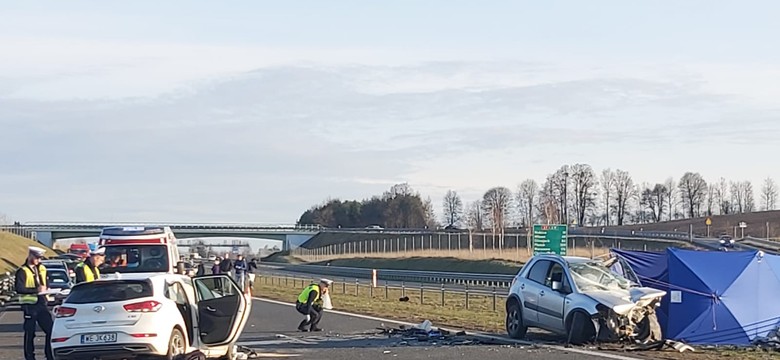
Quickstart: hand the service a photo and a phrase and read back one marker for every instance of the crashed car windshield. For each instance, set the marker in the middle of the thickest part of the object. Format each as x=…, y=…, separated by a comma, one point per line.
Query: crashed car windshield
x=594, y=276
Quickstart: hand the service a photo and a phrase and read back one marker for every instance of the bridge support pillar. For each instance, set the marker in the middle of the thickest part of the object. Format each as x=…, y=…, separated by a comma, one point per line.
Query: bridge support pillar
x=44, y=237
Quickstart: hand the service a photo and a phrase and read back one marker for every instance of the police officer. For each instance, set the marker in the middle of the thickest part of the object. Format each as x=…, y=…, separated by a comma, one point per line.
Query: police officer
x=30, y=281
x=309, y=304
x=89, y=270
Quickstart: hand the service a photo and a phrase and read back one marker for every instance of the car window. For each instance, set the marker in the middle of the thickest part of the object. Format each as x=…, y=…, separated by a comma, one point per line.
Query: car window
x=135, y=259
x=557, y=274
x=212, y=288
x=176, y=293
x=538, y=272
x=109, y=291
x=57, y=278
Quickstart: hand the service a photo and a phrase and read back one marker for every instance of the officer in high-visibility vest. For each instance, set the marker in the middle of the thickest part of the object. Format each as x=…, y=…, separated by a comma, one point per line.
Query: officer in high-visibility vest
x=30, y=282
x=89, y=270
x=309, y=304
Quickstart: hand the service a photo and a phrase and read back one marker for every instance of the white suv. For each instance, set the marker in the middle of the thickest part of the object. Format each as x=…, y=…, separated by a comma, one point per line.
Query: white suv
x=160, y=315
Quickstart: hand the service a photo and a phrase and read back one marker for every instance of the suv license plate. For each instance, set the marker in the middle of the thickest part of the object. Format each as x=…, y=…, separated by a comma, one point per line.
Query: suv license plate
x=98, y=338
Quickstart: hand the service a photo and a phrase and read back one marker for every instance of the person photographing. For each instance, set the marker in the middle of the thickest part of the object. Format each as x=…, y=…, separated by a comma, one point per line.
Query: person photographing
x=310, y=305
x=30, y=283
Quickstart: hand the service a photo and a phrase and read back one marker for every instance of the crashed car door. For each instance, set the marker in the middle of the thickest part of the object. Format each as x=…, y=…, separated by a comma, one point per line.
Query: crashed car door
x=551, y=303
x=531, y=287
x=222, y=309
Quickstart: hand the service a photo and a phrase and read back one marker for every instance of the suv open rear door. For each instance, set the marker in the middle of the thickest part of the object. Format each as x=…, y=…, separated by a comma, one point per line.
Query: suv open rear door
x=223, y=310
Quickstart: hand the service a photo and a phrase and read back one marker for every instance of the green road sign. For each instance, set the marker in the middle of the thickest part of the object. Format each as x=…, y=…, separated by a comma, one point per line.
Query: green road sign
x=550, y=239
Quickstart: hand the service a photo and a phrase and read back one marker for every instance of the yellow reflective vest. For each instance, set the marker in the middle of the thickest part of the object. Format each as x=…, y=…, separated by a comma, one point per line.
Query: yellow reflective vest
x=29, y=283
x=89, y=275
x=303, y=298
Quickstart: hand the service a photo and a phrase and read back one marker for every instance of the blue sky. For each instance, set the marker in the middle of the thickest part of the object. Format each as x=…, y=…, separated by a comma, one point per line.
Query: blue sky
x=253, y=111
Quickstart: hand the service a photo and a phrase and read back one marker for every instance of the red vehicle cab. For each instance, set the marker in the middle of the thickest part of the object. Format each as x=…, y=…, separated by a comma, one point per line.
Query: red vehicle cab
x=142, y=249
x=81, y=250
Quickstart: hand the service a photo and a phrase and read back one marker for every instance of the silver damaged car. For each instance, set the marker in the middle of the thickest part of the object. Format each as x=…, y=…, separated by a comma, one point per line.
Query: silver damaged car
x=581, y=299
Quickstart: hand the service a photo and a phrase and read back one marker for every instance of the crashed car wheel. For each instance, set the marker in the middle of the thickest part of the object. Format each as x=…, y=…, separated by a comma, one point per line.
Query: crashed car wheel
x=515, y=326
x=648, y=329
x=580, y=328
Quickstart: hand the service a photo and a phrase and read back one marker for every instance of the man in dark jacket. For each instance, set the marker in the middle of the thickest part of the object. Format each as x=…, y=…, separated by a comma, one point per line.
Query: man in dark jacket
x=240, y=267
x=30, y=282
x=225, y=266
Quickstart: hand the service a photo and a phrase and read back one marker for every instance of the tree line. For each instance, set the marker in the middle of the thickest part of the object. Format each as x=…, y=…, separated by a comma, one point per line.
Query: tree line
x=399, y=207
x=576, y=194
x=573, y=194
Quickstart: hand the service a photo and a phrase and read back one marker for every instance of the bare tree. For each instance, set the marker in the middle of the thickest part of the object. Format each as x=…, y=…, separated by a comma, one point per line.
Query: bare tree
x=624, y=191
x=742, y=196
x=693, y=190
x=526, y=200
x=722, y=198
x=584, y=183
x=671, y=187
x=607, y=184
x=769, y=194
x=474, y=216
x=560, y=187
x=453, y=208
x=430, y=213
x=711, y=198
x=548, y=202
x=749, y=196
x=655, y=198
x=497, y=202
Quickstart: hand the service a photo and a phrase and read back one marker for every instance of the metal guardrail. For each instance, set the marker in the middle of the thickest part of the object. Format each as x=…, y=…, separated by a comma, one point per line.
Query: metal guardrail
x=7, y=289
x=761, y=244
x=433, y=277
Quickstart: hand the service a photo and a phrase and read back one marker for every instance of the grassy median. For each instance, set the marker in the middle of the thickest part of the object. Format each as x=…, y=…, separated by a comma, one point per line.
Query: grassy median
x=453, y=313
x=384, y=302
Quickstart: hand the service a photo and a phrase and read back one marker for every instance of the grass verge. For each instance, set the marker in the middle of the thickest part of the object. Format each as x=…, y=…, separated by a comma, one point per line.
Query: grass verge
x=15, y=251
x=453, y=312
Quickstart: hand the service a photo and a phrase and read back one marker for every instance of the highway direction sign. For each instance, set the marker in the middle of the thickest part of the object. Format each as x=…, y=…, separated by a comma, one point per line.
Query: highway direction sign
x=550, y=239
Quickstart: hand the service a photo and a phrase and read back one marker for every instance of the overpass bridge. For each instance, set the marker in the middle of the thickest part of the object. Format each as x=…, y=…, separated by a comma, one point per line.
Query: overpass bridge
x=47, y=233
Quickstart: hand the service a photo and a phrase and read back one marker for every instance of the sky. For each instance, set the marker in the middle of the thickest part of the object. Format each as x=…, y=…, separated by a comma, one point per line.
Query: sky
x=253, y=111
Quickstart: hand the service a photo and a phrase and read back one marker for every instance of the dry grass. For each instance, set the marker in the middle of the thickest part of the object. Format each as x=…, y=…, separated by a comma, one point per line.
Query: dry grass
x=15, y=251
x=517, y=255
x=376, y=302
x=479, y=316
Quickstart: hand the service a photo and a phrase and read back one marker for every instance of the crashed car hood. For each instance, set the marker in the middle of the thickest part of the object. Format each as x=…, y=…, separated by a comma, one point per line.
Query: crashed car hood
x=623, y=301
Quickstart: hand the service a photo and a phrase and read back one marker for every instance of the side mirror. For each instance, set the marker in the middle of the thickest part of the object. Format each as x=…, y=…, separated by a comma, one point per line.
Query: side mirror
x=557, y=286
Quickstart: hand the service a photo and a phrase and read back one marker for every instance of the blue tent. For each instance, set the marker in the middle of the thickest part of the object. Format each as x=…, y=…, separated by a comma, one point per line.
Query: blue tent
x=713, y=297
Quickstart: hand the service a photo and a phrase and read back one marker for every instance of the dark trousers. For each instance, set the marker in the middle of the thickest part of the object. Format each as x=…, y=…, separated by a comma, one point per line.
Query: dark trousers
x=313, y=311
x=36, y=314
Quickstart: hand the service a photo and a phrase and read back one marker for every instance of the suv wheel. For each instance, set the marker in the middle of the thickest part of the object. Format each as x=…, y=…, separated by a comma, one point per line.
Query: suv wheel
x=580, y=328
x=515, y=326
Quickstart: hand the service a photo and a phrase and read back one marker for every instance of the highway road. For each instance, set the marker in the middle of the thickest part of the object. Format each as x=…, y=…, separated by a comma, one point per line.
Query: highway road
x=270, y=333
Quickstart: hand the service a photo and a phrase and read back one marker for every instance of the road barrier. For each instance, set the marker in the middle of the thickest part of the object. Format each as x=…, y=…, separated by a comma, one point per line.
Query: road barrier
x=7, y=289
x=470, y=279
x=762, y=244
x=467, y=298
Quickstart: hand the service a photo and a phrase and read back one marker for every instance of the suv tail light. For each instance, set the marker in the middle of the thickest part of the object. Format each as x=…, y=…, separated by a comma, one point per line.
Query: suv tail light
x=146, y=306
x=63, y=312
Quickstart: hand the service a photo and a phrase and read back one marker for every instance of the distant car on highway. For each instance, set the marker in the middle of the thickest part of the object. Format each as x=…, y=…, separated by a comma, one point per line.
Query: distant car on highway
x=58, y=279
x=162, y=315
x=726, y=241
x=374, y=227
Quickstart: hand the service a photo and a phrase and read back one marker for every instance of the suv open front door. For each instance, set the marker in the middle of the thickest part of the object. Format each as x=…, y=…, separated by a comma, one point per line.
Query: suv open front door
x=222, y=310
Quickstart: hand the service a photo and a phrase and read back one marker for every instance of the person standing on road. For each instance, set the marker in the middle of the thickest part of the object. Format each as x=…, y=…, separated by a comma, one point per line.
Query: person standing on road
x=251, y=268
x=225, y=266
x=240, y=267
x=30, y=282
x=309, y=304
x=89, y=270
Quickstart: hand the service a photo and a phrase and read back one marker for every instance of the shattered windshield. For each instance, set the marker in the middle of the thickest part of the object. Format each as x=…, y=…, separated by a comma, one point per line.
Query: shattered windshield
x=594, y=276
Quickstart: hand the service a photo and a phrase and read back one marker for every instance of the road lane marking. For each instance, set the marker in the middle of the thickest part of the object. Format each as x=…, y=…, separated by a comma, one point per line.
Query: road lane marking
x=479, y=335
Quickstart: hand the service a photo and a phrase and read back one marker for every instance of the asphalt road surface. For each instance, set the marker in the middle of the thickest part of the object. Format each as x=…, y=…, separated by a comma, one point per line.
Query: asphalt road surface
x=271, y=333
